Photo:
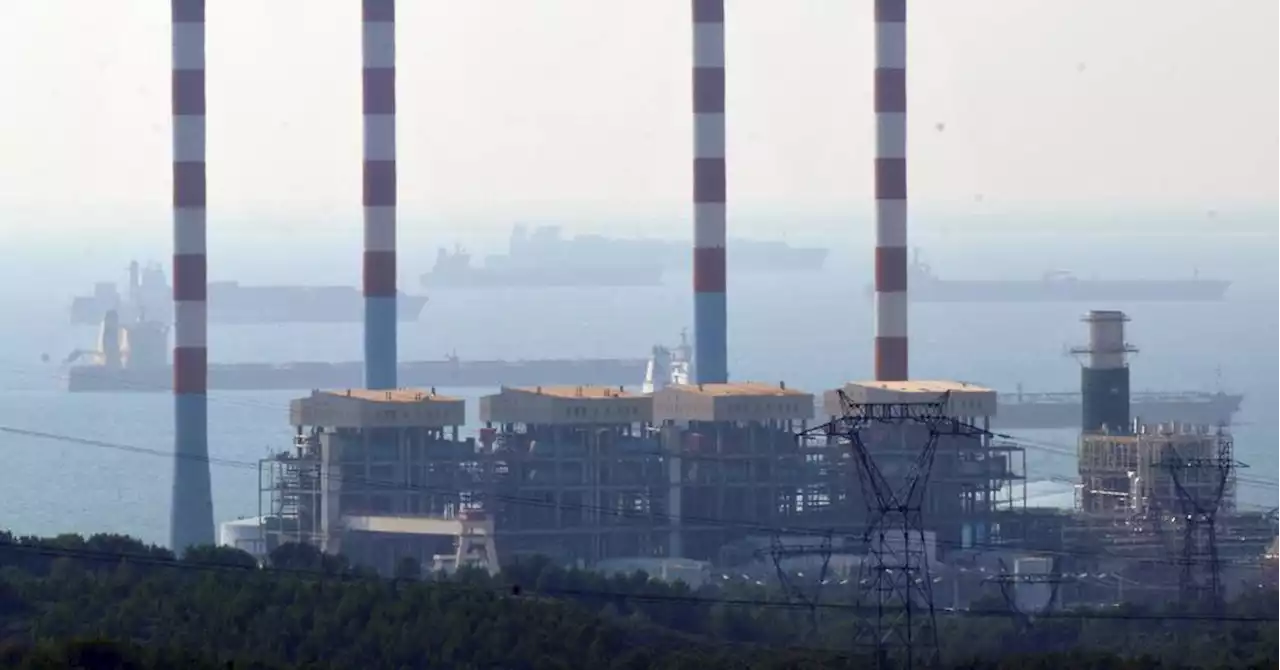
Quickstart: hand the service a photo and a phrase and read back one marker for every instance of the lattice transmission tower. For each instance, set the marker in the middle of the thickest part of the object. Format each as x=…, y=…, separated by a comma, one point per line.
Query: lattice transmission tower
x=895, y=595
x=1013, y=584
x=802, y=590
x=1203, y=486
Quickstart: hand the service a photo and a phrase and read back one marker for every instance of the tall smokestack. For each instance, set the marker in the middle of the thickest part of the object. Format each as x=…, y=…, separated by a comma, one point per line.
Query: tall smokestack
x=379, y=42
x=891, y=190
x=191, y=520
x=1104, y=379
x=709, y=191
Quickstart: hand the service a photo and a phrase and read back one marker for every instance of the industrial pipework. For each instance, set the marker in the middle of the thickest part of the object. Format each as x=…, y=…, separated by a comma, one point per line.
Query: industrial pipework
x=710, y=363
x=891, y=190
x=191, y=520
x=379, y=88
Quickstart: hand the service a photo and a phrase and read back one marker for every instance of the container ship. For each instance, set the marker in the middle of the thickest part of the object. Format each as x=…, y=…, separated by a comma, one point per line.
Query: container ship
x=149, y=297
x=133, y=357
x=1057, y=287
x=543, y=258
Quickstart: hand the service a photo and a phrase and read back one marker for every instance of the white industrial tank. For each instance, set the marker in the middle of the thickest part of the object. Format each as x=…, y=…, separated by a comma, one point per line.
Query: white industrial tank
x=243, y=534
x=1033, y=597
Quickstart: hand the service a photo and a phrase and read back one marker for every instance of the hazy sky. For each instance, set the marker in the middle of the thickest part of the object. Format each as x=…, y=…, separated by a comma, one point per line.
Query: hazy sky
x=507, y=104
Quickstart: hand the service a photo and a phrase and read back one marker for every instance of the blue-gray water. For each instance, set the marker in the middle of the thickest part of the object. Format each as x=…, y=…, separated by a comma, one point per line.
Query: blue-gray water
x=813, y=332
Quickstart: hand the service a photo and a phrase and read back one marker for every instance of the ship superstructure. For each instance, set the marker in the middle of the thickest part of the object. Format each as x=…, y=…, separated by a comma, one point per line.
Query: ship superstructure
x=669, y=365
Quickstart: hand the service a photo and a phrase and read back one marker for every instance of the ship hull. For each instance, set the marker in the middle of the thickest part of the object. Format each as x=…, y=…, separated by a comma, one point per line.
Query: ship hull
x=1190, y=290
x=570, y=277
x=299, y=308
x=1063, y=410
x=304, y=376
x=763, y=258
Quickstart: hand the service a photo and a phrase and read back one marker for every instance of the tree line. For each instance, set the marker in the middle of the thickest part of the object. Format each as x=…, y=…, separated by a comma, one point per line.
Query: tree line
x=113, y=601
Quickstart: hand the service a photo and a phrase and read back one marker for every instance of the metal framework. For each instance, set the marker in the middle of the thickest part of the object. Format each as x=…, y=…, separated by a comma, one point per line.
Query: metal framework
x=795, y=591
x=1008, y=582
x=895, y=581
x=1200, y=485
x=291, y=484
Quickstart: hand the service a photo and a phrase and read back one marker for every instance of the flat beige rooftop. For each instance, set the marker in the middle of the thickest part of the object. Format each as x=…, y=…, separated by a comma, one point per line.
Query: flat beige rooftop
x=739, y=389
x=396, y=395
x=923, y=386
x=590, y=392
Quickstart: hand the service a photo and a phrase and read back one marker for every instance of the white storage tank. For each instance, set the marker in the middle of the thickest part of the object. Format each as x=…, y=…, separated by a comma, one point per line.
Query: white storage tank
x=243, y=534
x=1030, y=597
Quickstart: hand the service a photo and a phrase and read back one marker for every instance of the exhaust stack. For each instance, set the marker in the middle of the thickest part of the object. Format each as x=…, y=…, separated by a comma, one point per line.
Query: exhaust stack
x=709, y=194
x=1104, y=377
x=891, y=190
x=191, y=520
x=379, y=87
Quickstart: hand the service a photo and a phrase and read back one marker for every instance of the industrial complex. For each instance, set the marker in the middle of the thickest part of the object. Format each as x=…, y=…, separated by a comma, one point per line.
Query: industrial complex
x=700, y=471
x=590, y=474
x=710, y=474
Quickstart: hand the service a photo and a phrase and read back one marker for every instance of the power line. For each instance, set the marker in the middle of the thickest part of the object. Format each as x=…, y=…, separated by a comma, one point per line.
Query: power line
x=1034, y=444
x=753, y=526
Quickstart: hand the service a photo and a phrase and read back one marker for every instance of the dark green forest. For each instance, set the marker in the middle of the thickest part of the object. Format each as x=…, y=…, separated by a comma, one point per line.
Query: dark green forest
x=112, y=602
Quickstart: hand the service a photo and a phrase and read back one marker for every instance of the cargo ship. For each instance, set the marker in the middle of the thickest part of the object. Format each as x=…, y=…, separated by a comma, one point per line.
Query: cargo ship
x=449, y=373
x=454, y=270
x=1062, y=410
x=133, y=357
x=149, y=296
x=1058, y=286
x=543, y=258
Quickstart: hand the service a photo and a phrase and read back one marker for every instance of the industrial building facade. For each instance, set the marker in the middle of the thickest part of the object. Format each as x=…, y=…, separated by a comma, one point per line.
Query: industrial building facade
x=592, y=474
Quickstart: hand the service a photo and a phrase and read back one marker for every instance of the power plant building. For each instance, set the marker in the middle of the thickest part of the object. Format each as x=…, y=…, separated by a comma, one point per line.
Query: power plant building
x=378, y=476
x=736, y=466
x=577, y=473
x=973, y=477
x=1134, y=472
x=589, y=475
x=1148, y=489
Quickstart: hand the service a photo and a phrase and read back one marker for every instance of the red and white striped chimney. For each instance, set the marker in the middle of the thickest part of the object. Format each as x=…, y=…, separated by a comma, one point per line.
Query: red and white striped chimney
x=891, y=190
x=710, y=195
x=378, y=40
x=191, y=512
